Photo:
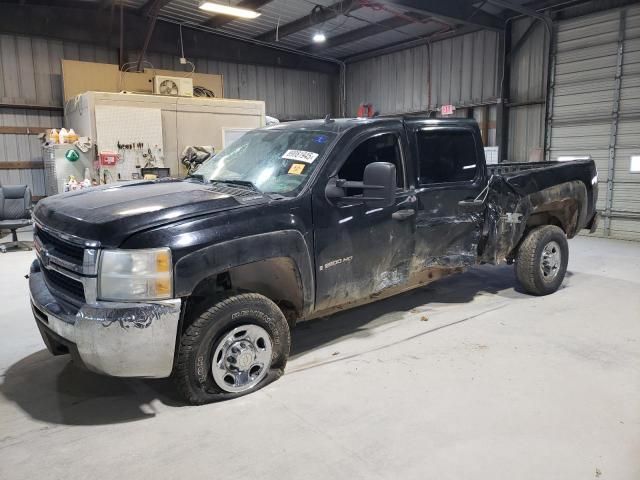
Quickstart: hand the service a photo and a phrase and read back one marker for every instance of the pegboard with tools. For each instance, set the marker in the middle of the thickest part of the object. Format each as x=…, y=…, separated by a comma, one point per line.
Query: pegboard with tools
x=135, y=133
x=133, y=157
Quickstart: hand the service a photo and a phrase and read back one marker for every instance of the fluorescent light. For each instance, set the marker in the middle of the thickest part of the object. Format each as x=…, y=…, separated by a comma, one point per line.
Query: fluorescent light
x=319, y=37
x=228, y=10
x=570, y=158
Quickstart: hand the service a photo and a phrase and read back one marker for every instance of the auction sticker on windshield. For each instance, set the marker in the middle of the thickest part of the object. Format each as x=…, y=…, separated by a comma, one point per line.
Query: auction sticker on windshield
x=300, y=155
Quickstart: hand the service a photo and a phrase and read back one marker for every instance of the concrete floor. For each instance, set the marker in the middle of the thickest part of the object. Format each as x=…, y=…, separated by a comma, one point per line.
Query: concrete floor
x=466, y=378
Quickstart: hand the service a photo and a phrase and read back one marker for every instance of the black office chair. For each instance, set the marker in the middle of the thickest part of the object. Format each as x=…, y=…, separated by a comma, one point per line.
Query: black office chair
x=15, y=213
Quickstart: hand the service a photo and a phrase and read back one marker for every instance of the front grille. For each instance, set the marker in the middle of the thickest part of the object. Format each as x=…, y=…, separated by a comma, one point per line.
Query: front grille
x=58, y=247
x=65, y=285
x=39, y=314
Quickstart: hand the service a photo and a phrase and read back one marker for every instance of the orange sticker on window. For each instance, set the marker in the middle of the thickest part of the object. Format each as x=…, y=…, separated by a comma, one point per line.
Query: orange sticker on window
x=296, y=168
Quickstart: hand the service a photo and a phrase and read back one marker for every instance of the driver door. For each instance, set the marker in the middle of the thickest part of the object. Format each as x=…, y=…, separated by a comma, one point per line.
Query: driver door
x=361, y=251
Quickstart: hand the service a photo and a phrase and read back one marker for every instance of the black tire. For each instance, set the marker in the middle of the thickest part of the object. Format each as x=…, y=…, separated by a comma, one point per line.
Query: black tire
x=530, y=257
x=193, y=372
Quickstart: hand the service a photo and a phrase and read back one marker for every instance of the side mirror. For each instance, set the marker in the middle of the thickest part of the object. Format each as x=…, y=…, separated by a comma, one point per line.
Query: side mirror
x=378, y=186
x=333, y=191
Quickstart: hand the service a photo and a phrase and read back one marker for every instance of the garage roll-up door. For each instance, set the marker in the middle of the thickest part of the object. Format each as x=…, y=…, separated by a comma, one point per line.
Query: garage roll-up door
x=595, y=108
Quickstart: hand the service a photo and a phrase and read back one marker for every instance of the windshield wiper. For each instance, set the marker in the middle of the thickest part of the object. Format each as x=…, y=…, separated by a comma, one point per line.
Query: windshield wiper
x=242, y=183
x=196, y=176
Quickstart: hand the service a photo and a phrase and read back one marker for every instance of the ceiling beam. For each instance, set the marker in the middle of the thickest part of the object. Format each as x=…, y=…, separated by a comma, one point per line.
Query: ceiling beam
x=88, y=25
x=539, y=5
x=220, y=20
x=523, y=38
x=524, y=10
x=326, y=13
x=149, y=5
x=546, y=19
x=367, y=31
x=458, y=12
x=151, y=25
x=60, y=3
x=403, y=45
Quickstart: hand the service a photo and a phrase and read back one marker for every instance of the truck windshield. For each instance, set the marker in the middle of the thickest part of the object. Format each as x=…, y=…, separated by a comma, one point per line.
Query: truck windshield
x=274, y=161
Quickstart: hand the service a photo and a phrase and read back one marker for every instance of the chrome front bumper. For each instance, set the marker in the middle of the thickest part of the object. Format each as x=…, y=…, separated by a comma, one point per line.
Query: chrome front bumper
x=112, y=338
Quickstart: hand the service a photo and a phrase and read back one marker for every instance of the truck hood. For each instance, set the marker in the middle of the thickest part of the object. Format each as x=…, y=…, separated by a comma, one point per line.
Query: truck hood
x=112, y=213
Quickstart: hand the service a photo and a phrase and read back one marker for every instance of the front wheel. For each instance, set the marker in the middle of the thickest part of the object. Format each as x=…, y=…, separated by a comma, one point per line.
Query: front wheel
x=235, y=347
x=542, y=259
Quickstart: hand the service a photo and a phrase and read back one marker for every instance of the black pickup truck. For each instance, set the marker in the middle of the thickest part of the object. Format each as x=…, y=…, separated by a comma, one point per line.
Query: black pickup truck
x=202, y=278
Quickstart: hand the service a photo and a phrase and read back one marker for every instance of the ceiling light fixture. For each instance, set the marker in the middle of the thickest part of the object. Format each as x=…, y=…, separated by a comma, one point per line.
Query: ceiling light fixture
x=228, y=10
x=319, y=37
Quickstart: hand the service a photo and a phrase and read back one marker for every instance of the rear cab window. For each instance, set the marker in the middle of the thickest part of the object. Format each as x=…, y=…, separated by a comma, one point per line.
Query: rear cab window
x=446, y=156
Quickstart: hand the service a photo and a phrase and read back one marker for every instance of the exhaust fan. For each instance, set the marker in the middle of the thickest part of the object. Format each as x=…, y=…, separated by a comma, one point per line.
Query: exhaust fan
x=173, y=86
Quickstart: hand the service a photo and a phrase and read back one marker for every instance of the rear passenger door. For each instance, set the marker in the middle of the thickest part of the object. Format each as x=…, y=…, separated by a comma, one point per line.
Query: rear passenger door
x=450, y=169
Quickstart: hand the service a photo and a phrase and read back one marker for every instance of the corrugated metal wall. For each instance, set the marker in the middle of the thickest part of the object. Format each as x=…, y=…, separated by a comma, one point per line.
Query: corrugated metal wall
x=30, y=74
x=288, y=94
x=527, y=91
x=30, y=70
x=596, y=108
x=464, y=71
x=24, y=148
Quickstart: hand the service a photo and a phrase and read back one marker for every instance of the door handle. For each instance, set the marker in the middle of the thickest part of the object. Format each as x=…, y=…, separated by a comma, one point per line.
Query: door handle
x=471, y=206
x=403, y=214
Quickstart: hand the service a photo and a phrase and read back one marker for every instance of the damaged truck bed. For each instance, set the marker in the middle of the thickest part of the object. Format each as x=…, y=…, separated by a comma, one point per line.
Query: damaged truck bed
x=202, y=278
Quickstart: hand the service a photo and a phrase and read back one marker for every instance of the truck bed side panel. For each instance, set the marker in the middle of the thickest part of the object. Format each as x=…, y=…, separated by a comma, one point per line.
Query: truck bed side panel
x=530, y=178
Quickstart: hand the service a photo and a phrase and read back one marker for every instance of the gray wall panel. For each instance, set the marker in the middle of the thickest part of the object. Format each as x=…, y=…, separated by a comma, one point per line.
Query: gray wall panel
x=529, y=65
x=529, y=62
x=526, y=133
x=30, y=73
x=31, y=70
x=462, y=70
x=24, y=147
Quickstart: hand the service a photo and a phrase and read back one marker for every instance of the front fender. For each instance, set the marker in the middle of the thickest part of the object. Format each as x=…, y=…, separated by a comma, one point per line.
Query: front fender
x=195, y=267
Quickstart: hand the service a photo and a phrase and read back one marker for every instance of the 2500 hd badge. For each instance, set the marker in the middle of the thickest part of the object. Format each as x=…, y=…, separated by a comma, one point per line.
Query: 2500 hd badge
x=333, y=263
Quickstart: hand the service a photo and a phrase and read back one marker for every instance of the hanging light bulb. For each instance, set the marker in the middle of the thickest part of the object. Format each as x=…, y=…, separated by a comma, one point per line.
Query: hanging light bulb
x=319, y=37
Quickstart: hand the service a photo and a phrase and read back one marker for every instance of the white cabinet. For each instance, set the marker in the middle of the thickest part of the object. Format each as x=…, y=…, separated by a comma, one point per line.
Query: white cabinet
x=184, y=121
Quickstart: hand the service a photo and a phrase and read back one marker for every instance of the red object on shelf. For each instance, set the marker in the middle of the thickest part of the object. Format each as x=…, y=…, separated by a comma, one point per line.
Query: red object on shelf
x=108, y=159
x=366, y=110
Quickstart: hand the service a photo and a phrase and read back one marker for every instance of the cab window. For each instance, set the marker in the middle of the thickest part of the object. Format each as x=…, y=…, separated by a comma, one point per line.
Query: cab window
x=380, y=148
x=446, y=156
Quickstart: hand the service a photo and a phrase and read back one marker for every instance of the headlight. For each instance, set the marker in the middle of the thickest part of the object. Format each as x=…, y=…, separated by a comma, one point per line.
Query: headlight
x=135, y=274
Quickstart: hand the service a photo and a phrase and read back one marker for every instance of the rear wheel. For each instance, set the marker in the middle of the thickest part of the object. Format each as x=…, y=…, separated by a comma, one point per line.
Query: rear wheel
x=235, y=347
x=542, y=259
